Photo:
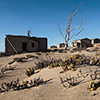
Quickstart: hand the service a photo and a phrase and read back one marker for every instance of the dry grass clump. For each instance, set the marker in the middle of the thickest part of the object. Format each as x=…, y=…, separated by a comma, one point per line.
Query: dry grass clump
x=11, y=62
x=70, y=63
x=73, y=62
x=6, y=68
x=21, y=59
x=55, y=63
x=51, y=62
x=29, y=71
x=31, y=56
x=17, y=85
x=42, y=64
x=94, y=85
x=38, y=53
x=69, y=81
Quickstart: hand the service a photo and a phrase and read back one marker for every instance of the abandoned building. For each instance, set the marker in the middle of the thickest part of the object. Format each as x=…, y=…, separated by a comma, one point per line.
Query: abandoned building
x=82, y=43
x=53, y=46
x=61, y=45
x=95, y=41
x=18, y=44
x=97, y=45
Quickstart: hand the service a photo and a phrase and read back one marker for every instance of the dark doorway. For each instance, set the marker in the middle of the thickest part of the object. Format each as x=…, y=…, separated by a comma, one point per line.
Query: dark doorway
x=78, y=45
x=24, y=47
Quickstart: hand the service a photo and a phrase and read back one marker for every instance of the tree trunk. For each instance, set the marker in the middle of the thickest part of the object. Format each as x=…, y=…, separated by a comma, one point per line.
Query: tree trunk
x=66, y=45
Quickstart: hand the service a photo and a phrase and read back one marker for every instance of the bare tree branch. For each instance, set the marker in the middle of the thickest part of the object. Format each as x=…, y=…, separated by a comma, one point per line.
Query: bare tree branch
x=68, y=36
x=60, y=31
x=75, y=34
x=71, y=18
x=77, y=26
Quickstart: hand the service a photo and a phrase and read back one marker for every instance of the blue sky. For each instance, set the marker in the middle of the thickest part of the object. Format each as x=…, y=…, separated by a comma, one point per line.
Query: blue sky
x=43, y=16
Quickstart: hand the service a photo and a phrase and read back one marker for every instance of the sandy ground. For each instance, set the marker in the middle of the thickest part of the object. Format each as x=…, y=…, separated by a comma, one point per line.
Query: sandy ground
x=53, y=90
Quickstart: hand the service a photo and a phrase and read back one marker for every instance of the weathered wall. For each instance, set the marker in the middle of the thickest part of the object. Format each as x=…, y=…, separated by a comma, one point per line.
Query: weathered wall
x=74, y=43
x=16, y=42
x=85, y=43
x=97, y=45
x=96, y=40
x=93, y=41
x=42, y=44
x=61, y=45
x=29, y=45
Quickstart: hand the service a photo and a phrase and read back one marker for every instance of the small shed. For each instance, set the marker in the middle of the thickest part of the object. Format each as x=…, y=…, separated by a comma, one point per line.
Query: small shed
x=61, y=45
x=81, y=43
x=94, y=41
x=53, y=46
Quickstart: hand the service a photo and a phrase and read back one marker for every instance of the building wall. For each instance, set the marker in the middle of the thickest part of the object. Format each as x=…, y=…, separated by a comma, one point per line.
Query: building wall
x=85, y=43
x=93, y=41
x=61, y=45
x=97, y=45
x=74, y=43
x=42, y=44
x=96, y=40
x=17, y=44
x=58, y=46
x=29, y=45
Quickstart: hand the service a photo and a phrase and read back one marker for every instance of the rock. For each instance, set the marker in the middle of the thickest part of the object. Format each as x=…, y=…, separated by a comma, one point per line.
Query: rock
x=93, y=93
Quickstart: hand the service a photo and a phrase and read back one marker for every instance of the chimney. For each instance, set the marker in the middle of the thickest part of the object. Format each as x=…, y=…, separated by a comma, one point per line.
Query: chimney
x=28, y=33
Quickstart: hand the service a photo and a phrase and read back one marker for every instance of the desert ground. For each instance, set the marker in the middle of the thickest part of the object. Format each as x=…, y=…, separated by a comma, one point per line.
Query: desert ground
x=53, y=89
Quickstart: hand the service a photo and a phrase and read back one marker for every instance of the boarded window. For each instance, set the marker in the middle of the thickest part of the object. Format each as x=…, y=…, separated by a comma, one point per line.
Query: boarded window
x=33, y=45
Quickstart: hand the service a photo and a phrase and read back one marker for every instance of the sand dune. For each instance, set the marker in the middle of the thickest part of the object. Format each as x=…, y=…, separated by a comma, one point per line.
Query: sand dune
x=53, y=90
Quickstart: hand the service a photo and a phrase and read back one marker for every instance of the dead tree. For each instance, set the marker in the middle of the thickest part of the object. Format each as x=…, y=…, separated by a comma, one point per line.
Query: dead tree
x=68, y=36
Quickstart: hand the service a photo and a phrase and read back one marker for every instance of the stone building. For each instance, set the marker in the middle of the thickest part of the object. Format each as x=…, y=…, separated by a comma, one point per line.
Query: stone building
x=95, y=41
x=53, y=46
x=18, y=44
x=82, y=43
x=61, y=45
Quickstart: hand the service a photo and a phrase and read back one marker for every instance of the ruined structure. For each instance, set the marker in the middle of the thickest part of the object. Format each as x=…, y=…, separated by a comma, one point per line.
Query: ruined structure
x=18, y=44
x=82, y=43
x=95, y=41
x=61, y=45
x=53, y=46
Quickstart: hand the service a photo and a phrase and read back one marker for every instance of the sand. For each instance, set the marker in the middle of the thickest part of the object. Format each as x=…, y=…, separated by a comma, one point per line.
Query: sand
x=53, y=90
